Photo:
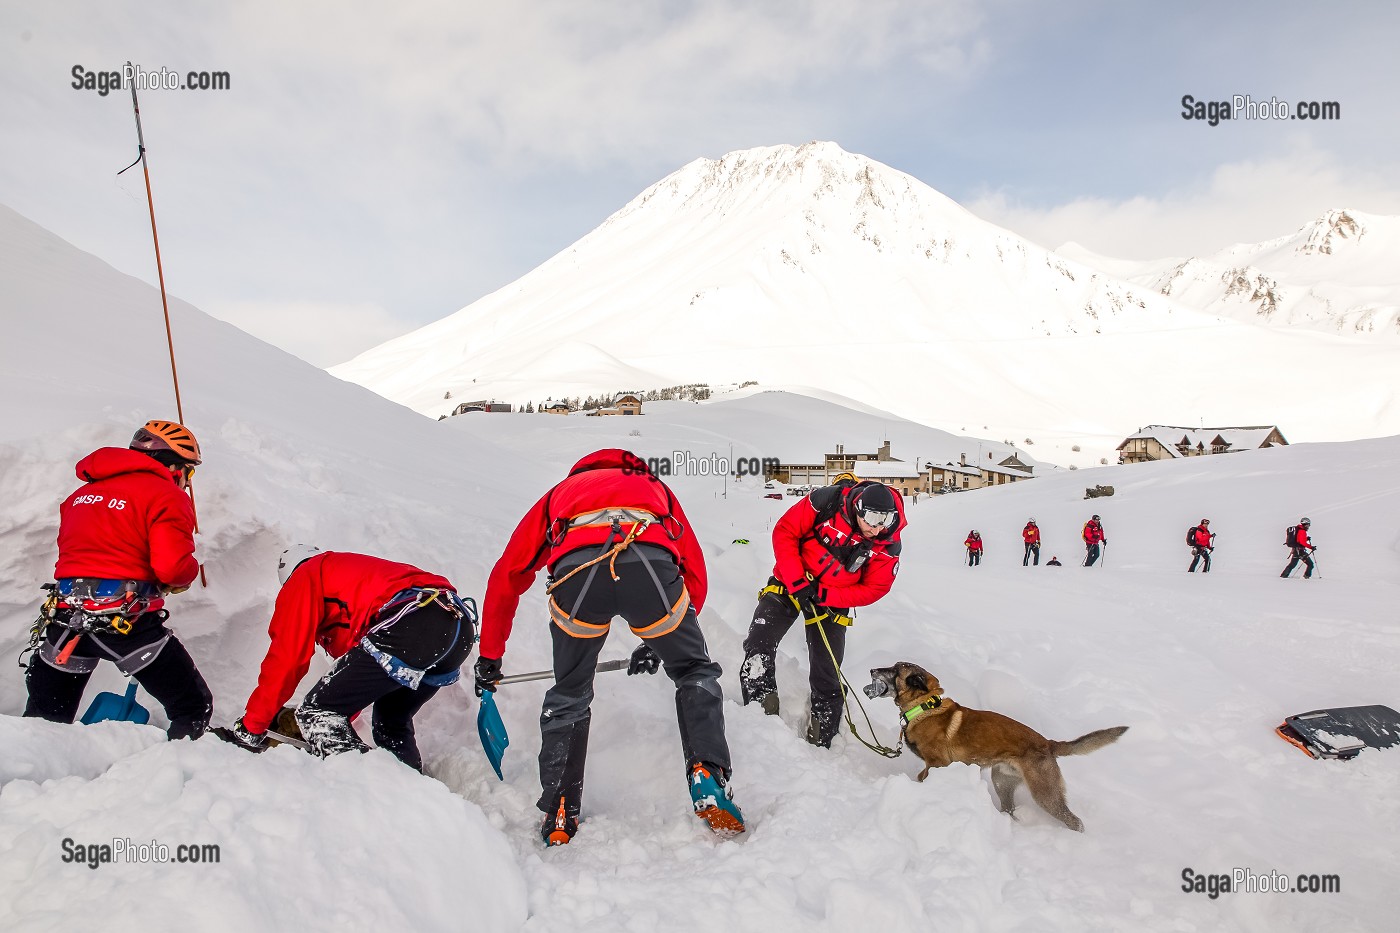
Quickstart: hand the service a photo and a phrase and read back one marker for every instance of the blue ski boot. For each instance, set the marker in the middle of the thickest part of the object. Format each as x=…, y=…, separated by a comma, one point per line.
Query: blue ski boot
x=714, y=801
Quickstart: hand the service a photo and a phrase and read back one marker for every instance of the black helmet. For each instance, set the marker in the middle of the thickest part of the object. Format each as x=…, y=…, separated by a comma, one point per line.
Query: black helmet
x=876, y=506
x=1305, y=521
x=1093, y=518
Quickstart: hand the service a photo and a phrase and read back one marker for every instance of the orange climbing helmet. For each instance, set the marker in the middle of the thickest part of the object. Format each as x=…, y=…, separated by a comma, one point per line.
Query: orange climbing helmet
x=154, y=437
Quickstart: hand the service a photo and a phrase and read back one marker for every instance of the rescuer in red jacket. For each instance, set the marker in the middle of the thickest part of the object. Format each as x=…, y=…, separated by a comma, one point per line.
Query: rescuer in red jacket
x=1202, y=543
x=400, y=635
x=1300, y=549
x=1094, y=537
x=974, y=548
x=1031, y=536
x=616, y=542
x=125, y=542
x=835, y=549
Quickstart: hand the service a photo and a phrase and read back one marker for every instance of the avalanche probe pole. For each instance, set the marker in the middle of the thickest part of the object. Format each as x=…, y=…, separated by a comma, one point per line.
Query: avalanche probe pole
x=160, y=275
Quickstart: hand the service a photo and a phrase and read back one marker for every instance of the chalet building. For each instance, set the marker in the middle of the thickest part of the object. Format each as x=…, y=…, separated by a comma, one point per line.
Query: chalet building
x=551, y=407
x=493, y=405
x=624, y=404
x=814, y=472
x=908, y=478
x=1165, y=442
x=894, y=473
x=963, y=475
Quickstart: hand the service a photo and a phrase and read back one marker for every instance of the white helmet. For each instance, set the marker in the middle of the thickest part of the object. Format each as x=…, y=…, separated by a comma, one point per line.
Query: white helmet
x=292, y=557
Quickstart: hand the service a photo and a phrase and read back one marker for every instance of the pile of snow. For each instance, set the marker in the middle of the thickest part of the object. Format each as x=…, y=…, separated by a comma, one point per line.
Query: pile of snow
x=1201, y=668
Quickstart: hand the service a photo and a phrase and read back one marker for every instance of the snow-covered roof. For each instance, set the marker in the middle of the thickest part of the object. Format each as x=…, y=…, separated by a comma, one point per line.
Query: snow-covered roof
x=957, y=468
x=885, y=469
x=1249, y=437
x=551, y=403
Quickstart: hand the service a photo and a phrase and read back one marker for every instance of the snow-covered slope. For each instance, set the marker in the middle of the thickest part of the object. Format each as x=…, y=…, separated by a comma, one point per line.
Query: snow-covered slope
x=1201, y=668
x=1337, y=273
x=812, y=266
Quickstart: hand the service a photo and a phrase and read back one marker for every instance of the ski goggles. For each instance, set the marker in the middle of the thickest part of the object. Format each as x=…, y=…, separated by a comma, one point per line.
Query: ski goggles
x=877, y=519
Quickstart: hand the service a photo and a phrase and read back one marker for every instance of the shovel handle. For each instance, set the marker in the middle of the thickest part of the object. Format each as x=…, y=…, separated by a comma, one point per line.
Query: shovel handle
x=617, y=665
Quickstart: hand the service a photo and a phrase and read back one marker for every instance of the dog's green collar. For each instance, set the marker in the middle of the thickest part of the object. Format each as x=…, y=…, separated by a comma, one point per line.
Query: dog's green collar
x=928, y=706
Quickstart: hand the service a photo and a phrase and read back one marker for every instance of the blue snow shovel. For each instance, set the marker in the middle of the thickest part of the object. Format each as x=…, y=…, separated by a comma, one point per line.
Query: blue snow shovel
x=124, y=708
x=492, y=729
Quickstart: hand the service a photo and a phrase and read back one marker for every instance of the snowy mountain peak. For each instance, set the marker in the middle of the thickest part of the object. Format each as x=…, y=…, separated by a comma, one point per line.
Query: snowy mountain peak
x=1329, y=232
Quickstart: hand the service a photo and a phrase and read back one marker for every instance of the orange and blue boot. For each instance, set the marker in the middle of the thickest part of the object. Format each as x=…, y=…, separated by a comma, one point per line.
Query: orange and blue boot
x=714, y=800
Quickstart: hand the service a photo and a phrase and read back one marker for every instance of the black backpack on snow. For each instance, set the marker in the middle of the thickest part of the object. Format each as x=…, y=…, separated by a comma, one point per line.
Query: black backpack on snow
x=1191, y=535
x=1290, y=537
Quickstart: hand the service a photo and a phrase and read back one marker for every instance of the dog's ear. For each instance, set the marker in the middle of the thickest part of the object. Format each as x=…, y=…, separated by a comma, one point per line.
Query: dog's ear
x=916, y=682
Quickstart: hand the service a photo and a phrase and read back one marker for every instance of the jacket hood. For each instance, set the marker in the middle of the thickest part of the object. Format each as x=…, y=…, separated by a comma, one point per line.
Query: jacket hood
x=106, y=462
x=613, y=458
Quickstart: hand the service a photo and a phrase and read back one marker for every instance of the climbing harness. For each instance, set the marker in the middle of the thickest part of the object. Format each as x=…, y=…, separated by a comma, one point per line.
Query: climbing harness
x=411, y=600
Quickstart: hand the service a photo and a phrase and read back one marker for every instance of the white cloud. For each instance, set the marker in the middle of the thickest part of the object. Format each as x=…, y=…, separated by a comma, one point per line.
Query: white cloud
x=322, y=334
x=1241, y=202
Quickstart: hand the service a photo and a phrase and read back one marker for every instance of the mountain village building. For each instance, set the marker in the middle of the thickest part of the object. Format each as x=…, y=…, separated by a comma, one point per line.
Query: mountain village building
x=551, y=407
x=907, y=477
x=1165, y=442
x=623, y=404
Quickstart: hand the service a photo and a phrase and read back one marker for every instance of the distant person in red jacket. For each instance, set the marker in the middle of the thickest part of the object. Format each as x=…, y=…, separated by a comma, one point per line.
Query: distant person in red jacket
x=617, y=543
x=1300, y=549
x=973, y=543
x=1031, y=536
x=1202, y=544
x=1094, y=537
x=399, y=635
x=835, y=549
x=125, y=541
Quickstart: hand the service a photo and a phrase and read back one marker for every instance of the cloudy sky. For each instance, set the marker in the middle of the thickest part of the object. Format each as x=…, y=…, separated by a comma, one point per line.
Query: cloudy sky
x=374, y=167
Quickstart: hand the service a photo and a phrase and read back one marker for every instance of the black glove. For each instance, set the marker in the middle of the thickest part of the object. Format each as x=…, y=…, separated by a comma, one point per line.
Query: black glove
x=240, y=736
x=488, y=671
x=644, y=660
x=806, y=597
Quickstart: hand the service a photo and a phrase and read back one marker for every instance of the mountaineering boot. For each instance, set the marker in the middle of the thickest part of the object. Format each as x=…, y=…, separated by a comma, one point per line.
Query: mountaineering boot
x=714, y=801
x=559, y=829
x=770, y=704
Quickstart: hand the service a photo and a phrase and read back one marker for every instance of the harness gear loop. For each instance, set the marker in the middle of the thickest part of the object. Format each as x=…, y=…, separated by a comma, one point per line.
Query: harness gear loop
x=874, y=745
x=608, y=554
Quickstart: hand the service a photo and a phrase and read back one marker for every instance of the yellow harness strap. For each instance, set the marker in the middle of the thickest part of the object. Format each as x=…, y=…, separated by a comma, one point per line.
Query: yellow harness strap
x=836, y=617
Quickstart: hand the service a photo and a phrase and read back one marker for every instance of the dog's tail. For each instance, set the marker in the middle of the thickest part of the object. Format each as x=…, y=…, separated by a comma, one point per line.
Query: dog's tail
x=1087, y=743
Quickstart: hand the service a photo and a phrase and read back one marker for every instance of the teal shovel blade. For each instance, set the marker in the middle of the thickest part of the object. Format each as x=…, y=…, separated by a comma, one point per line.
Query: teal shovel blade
x=492, y=730
x=122, y=708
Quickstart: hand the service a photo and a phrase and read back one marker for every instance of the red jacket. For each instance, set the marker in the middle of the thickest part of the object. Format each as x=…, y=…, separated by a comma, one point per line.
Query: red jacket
x=802, y=545
x=1093, y=532
x=1030, y=534
x=331, y=599
x=973, y=544
x=1202, y=537
x=1302, y=536
x=129, y=521
x=605, y=479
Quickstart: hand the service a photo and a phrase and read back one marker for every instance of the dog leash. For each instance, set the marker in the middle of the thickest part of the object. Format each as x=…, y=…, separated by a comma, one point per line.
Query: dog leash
x=874, y=743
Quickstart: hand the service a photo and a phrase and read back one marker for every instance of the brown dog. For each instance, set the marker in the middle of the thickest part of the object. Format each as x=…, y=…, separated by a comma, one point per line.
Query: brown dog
x=941, y=732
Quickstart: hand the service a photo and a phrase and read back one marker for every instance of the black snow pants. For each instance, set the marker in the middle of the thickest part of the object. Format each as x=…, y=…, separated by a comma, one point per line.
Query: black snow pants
x=1092, y=551
x=974, y=556
x=431, y=639
x=772, y=618
x=591, y=597
x=1199, y=554
x=150, y=654
x=1304, y=555
x=1032, y=550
